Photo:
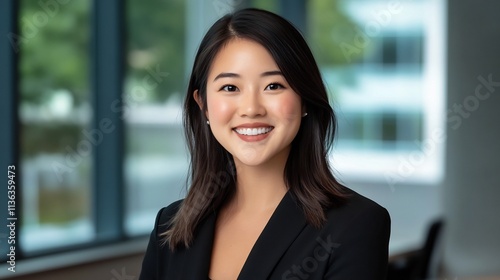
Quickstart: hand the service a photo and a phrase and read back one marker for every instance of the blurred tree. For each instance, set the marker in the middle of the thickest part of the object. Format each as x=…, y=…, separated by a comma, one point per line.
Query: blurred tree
x=329, y=27
x=54, y=47
x=155, y=40
x=54, y=57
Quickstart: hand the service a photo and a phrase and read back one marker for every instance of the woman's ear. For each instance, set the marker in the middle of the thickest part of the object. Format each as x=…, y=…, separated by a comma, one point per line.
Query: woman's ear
x=198, y=100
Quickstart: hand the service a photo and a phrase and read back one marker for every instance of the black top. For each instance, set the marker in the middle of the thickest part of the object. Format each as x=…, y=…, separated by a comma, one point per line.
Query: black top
x=353, y=244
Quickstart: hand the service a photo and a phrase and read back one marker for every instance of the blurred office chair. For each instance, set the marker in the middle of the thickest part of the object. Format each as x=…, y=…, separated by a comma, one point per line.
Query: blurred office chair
x=417, y=265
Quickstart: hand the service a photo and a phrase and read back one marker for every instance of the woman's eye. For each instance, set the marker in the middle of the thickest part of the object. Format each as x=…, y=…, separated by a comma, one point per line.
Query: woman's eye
x=229, y=88
x=274, y=86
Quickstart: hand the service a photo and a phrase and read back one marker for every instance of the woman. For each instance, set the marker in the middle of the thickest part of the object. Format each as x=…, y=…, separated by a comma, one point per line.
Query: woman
x=263, y=203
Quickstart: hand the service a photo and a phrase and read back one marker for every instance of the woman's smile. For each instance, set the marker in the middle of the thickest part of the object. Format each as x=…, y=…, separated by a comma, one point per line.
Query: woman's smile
x=253, y=132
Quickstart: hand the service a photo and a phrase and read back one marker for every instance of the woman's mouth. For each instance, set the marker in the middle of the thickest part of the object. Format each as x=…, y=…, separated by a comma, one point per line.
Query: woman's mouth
x=253, y=131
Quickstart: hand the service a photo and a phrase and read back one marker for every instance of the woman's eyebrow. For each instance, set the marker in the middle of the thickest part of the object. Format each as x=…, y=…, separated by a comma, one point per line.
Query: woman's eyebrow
x=271, y=73
x=234, y=75
x=226, y=75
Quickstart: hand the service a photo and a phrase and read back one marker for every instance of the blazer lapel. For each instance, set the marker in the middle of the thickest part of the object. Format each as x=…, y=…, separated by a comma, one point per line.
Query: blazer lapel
x=281, y=230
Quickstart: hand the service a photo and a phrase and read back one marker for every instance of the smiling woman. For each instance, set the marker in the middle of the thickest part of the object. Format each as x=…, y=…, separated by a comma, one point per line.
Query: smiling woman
x=263, y=203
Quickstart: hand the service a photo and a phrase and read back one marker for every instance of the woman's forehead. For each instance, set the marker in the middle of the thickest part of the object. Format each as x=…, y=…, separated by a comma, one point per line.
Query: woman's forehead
x=242, y=56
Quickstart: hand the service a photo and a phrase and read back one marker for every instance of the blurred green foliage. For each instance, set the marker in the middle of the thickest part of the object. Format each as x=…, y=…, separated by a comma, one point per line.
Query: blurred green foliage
x=54, y=45
x=328, y=27
x=155, y=31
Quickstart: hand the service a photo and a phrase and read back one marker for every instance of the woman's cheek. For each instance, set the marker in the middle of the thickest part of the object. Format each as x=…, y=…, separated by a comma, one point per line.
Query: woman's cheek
x=289, y=107
x=219, y=109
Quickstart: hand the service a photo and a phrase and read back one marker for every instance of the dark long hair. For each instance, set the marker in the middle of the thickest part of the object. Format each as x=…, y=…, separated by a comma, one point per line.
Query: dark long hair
x=212, y=172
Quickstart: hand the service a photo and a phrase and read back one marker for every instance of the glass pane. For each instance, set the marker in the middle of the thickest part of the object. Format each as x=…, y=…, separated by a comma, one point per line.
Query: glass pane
x=371, y=65
x=55, y=116
x=156, y=159
x=378, y=59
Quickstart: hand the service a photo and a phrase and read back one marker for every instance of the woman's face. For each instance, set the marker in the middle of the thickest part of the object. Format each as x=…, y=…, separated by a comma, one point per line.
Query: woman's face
x=253, y=112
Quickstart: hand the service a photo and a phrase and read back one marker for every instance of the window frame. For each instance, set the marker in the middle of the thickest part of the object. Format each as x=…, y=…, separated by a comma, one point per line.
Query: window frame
x=9, y=141
x=107, y=87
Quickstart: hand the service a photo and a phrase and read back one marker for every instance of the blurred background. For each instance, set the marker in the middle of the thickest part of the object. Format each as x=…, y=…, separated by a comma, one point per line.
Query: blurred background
x=91, y=95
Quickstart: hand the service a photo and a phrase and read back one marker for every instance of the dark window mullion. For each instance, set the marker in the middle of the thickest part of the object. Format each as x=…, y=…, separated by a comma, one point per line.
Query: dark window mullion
x=9, y=123
x=107, y=103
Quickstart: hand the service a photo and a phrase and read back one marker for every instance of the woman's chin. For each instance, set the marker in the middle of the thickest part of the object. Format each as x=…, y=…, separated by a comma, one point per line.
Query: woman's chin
x=250, y=160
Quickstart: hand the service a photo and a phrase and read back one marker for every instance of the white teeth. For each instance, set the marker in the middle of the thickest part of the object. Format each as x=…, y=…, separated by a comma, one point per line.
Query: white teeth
x=253, y=131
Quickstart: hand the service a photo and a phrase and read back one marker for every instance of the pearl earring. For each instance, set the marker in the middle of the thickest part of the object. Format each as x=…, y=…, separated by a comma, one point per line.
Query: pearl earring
x=305, y=114
x=208, y=122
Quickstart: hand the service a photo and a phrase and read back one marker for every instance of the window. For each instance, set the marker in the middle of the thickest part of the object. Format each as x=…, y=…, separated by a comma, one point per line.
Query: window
x=156, y=163
x=55, y=114
x=383, y=64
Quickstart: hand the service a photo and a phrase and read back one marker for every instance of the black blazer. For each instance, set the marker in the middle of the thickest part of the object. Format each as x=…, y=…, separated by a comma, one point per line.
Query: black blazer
x=353, y=244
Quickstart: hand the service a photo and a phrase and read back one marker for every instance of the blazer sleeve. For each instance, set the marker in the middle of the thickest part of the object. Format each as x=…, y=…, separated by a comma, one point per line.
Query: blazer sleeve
x=364, y=253
x=155, y=252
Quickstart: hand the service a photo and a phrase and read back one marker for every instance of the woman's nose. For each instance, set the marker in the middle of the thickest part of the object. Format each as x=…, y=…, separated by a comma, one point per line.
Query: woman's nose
x=251, y=104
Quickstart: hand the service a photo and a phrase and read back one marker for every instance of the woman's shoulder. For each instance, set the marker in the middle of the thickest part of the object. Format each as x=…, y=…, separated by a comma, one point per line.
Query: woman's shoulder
x=166, y=214
x=358, y=207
